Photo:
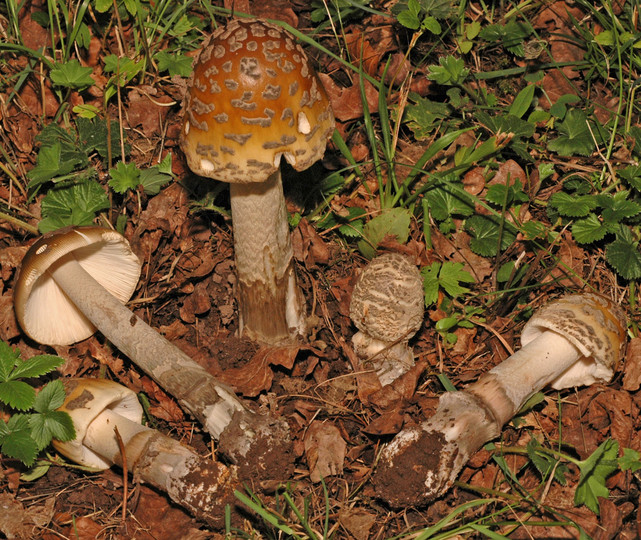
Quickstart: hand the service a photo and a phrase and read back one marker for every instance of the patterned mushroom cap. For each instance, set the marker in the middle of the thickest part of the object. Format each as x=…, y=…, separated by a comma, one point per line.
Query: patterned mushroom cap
x=253, y=98
x=388, y=299
x=595, y=325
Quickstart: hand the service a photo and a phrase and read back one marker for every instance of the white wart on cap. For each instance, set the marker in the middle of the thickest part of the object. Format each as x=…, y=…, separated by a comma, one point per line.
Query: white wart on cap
x=43, y=310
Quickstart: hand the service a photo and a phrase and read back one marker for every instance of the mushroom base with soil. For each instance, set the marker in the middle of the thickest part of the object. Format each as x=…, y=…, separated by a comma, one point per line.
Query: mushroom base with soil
x=575, y=340
x=104, y=411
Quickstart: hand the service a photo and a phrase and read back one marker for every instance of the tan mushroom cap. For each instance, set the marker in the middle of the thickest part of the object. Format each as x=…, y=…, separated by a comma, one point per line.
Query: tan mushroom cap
x=388, y=299
x=43, y=310
x=253, y=98
x=595, y=325
x=86, y=399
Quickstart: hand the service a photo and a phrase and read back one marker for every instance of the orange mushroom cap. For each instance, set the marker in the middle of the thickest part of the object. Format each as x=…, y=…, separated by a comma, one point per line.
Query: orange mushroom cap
x=253, y=98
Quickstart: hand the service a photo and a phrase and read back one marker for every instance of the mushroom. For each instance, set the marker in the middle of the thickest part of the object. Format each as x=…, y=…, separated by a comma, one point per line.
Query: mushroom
x=387, y=308
x=103, y=411
x=253, y=98
x=59, y=298
x=575, y=340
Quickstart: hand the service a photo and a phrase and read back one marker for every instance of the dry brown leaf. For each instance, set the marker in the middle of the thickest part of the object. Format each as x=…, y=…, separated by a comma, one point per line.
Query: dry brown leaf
x=569, y=271
x=309, y=247
x=357, y=522
x=346, y=102
x=256, y=375
x=324, y=450
x=16, y=521
x=389, y=423
x=632, y=367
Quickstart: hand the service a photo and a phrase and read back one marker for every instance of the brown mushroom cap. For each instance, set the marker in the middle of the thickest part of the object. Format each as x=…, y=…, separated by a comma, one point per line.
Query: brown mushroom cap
x=253, y=98
x=593, y=324
x=43, y=310
x=388, y=299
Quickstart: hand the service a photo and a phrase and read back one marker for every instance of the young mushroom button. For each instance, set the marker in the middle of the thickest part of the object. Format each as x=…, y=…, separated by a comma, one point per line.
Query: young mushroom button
x=387, y=307
x=253, y=98
x=576, y=340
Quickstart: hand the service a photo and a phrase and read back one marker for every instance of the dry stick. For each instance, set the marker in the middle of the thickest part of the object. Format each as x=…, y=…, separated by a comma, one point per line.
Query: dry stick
x=125, y=473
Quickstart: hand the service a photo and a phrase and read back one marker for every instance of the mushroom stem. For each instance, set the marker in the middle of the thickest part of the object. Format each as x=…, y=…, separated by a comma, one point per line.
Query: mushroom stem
x=570, y=335
x=270, y=302
x=210, y=401
x=202, y=486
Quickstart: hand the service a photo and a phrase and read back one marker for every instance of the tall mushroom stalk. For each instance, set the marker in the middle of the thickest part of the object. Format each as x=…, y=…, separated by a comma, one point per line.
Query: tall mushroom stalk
x=65, y=291
x=576, y=340
x=253, y=98
x=107, y=417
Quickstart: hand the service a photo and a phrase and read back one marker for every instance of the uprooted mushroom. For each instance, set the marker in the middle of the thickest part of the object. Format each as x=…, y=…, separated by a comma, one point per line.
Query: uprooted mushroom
x=576, y=340
x=255, y=98
x=387, y=308
x=107, y=417
x=75, y=280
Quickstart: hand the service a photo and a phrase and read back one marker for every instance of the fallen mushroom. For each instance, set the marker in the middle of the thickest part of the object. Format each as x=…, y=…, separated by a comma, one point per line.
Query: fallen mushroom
x=103, y=411
x=254, y=98
x=387, y=307
x=576, y=340
x=66, y=289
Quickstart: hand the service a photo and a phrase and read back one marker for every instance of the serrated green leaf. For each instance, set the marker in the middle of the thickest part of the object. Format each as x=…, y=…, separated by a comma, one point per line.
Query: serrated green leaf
x=17, y=394
x=574, y=135
x=124, y=176
x=545, y=463
x=449, y=71
x=573, y=205
x=630, y=460
x=448, y=199
x=486, y=232
x=9, y=357
x=617, y=207
x=625, y=258
x=176, y=63
x=591, y=229
x=594, y=472
x=51, y=397
x=632, y=175
x=71, y=74
x=93, y=136
x=51, y=425
x=72, y=205
x=393, y=222
x=49, y=164
x=424, y=116
x=506, y=196
x=408, y=20
x=447, y=276
x=17, y=441
x=152, y=180
x=37, y=366
x=430, y=282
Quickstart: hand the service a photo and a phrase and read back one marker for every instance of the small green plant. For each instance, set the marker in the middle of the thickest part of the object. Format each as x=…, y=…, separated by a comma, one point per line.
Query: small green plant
x=447, y=276
x=34, y=420
x=594, y=470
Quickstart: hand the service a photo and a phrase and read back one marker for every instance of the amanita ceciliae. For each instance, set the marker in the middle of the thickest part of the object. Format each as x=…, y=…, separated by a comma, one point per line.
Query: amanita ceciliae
x=98, y=407
x=387, y=307
x=576, y=340
x=75, y=280
x=254, y=98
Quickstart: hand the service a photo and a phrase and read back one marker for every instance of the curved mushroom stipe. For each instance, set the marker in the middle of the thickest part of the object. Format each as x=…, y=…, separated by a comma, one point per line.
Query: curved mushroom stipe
x=576, y=340
x=253, y=99
x=98, y=407
x=387, y=307
x=211, y=402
